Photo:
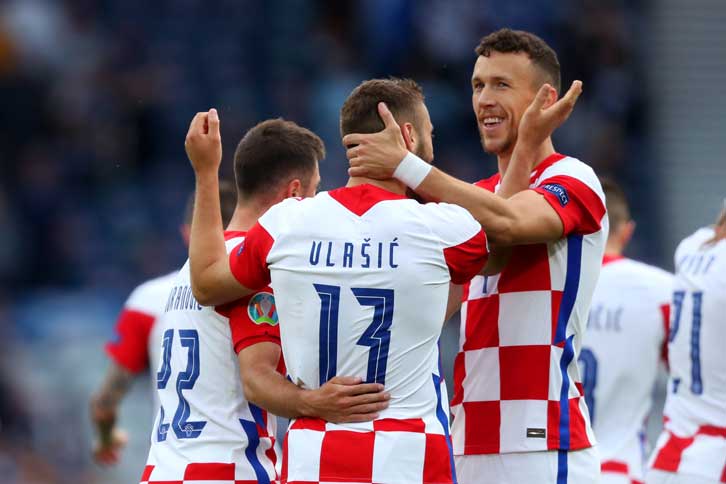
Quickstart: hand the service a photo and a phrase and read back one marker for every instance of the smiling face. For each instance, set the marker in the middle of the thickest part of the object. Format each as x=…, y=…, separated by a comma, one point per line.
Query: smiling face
x=503, y=86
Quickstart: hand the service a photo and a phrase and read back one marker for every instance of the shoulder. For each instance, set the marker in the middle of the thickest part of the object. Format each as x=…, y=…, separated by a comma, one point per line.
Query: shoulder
x=150, y=296
x=648, y=273
x=489, y=183
x=572, y=168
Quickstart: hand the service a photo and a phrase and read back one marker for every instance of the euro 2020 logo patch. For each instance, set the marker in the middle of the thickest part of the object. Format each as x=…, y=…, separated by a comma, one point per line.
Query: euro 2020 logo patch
x=262, y=309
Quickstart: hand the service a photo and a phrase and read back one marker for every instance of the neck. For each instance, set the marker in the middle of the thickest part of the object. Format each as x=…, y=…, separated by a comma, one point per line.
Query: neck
x=545, y=150
x=613, y=248
x=391, y=185
x=245, y=216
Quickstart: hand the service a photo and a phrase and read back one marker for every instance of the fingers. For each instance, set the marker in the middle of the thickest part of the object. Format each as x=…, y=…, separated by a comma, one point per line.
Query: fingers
x=541, y=98
x=368, y=408
x=213, y=121
x=388, y=120
x=357, y=171
x=346, y=380
x=197, y=124
x=363, y=388
x=573, y=93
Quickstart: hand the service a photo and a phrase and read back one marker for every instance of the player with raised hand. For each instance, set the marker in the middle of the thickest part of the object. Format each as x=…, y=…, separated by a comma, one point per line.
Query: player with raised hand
x=519, y=409
x=137, y=344
x=207, y=428
x=362, y=275
x=692, y=447
x=624, y=348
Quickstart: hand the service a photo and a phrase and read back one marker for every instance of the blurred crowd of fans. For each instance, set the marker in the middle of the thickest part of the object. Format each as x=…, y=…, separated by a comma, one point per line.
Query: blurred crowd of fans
x=97, y=96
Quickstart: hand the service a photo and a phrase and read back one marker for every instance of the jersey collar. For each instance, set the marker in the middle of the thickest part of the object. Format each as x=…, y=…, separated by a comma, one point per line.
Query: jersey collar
x=232, y=234
x=361, y=198
x=607, y=259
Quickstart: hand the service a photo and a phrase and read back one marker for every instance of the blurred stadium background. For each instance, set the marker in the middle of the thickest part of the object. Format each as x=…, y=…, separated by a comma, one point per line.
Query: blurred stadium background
x=96, y=97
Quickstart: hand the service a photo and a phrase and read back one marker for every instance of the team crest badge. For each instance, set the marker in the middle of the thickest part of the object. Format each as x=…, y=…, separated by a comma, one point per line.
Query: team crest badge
x=262, y=309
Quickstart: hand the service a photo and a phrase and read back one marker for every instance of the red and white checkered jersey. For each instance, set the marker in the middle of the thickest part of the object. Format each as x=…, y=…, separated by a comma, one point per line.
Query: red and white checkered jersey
x=206, y=429
x=362, y=277
x=517, y=386
x=627, y=329
x=694, y=440
x=136, y=345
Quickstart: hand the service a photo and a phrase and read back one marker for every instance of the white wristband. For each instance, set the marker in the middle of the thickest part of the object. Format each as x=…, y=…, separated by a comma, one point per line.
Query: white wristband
x=412, y=170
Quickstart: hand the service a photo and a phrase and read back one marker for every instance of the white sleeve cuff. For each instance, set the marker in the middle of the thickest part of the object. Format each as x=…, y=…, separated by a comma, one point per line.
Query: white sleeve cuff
x=412, y=170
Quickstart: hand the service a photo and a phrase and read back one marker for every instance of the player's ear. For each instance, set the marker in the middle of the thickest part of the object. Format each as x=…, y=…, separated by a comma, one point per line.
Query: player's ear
x=294, y=188
x=626, y=232
x=409, y=135
x=186, y=233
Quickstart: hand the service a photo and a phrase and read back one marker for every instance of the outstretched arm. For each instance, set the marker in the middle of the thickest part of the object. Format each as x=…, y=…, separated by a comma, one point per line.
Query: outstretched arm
x=341, y=399
x=211, y=277
x=525, y=218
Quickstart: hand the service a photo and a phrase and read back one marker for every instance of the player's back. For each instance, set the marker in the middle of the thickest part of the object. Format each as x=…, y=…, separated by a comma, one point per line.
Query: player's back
x=205, y=429
x=621, y=354
x=693, y=442
x=697, y=389
x=361, y=277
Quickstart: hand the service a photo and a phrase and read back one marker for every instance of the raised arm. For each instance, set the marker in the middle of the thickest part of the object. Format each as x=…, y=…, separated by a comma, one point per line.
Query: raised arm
x=525, y=218
x=212, y=280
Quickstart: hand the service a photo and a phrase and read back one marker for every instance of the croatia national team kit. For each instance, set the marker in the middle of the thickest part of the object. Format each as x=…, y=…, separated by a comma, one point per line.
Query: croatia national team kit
x=517, y=387
x=624, y=350
x=361, y=277
x=692, y=447
x=206, y=431
x=136, y=346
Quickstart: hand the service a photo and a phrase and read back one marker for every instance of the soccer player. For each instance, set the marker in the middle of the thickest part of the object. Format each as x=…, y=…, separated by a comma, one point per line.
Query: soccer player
x=361, y=275
x=624, y=348
x=692, y=447
x=518, y=406
x=206, y=429
x=137, y=344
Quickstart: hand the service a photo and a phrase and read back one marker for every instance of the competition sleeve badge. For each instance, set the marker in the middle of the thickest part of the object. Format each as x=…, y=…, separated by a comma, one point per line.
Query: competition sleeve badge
x=262, y=310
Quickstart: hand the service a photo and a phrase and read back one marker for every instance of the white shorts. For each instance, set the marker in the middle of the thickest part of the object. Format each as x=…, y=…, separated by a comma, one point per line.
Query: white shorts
x=544, y=467
x=662, y=477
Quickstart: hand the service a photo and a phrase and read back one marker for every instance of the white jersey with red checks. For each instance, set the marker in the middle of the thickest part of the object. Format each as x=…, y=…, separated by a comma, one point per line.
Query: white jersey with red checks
x=362, y=278
x=517, y=386
x=694, y=439
x=136, y=346
x=206, y=430
x=627, y=329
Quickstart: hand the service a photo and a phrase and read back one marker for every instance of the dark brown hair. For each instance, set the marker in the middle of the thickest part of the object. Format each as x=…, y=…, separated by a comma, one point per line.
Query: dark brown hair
x=616, y=203
x=359, y=113
x=507, y=41
x=227, y=202
x=273, y=152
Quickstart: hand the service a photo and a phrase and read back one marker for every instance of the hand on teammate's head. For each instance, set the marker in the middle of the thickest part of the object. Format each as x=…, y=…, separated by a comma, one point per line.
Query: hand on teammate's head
x=376, y=155
x=544, y=115
x=203, y=143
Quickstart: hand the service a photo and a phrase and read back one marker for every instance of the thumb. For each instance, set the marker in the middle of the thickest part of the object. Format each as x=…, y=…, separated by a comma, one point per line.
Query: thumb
x=388, y=120
x=541, y=98
x=213, y=120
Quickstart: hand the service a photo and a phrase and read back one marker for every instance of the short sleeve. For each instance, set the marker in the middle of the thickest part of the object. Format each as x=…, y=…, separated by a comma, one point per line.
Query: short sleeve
x=579, y=207
x=248, y=260
x=130, y=347
x=253, y=319
x=465, y=244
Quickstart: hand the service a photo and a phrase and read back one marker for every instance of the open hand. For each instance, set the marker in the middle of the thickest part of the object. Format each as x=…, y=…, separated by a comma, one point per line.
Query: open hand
x=376, y=155
x=539, y=122
x=203, y=143
x=344, y=399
